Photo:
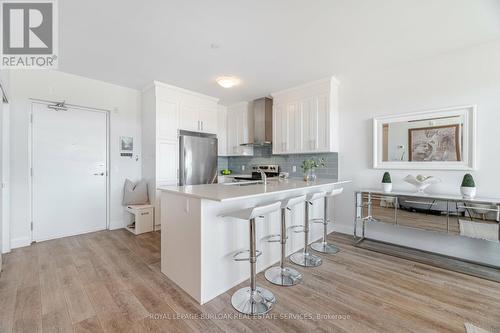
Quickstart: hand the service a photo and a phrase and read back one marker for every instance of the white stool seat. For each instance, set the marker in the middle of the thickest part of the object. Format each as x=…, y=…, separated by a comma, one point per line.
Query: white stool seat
x=315, y=196
x=254, y=212
x=290, y=202
x=335, y=192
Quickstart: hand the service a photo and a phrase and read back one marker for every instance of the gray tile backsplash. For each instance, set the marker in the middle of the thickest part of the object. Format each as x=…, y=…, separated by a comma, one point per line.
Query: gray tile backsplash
x=263, y=155
x=222, y=163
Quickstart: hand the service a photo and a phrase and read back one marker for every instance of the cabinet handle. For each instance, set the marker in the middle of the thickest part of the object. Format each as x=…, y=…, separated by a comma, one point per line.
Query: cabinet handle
x=201, y=125
x=198, y=125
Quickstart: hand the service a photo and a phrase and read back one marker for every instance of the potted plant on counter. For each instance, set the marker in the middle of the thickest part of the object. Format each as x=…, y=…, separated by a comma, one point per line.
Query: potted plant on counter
x=386, y=182
x=468, y=188
x=309, y=168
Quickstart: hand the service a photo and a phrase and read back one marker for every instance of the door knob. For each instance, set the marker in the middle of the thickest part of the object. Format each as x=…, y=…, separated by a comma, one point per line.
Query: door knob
x=99, y=174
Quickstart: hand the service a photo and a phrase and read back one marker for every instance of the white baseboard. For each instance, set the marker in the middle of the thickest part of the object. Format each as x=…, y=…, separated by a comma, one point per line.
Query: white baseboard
x=118, y=224
x=20, y=242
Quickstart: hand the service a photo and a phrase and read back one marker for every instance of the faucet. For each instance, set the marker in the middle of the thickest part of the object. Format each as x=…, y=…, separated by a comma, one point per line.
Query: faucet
x=262, y=175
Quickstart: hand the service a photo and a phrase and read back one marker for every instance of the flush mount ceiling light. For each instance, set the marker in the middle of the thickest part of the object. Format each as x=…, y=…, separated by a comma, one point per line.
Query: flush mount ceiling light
x=227, y=81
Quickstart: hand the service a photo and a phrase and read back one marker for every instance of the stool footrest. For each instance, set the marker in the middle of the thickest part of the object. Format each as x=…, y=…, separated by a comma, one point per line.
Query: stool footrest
x=276, y=238
x=320, y=220
x=298, y=226
x=237, y=254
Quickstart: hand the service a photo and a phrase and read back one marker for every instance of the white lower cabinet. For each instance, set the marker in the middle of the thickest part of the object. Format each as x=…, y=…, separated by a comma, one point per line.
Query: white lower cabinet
x=167, y=162
x=305, y=118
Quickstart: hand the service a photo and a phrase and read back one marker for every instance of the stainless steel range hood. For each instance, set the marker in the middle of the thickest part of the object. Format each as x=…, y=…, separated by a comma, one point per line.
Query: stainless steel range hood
x=262, y=123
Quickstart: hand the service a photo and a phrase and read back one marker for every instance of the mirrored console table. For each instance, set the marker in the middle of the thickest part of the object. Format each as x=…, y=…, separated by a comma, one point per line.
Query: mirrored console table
x=462, y=226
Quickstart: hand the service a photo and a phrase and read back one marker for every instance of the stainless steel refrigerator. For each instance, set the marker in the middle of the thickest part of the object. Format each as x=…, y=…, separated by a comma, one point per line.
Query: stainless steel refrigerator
x=197, y=158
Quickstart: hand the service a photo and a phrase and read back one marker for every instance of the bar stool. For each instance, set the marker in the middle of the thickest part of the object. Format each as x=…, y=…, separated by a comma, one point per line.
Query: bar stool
x=324, y=246
x=252, y=300
x=281, y=275
x=305, y=258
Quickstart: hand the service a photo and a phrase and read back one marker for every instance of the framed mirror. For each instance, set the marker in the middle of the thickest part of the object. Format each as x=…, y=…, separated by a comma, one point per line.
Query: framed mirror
x=443, y=139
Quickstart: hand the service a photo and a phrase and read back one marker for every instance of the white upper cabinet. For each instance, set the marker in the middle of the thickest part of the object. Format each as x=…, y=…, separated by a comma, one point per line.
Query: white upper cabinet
x=238, y=129
x=222, y=130
x=198, y=114
x=167, y=117
x=208, y=118
x=305, y=118
x=189, y=119
x=280, y=128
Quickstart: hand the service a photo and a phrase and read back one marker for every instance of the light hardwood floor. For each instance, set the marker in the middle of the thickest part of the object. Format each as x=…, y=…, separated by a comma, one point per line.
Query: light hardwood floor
x=110, y=281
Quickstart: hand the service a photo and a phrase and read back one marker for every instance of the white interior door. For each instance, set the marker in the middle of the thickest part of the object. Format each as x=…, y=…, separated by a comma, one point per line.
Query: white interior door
x=69, y=172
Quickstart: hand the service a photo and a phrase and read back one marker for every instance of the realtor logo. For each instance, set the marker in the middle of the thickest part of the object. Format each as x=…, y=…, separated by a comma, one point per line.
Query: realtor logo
x=29, y=36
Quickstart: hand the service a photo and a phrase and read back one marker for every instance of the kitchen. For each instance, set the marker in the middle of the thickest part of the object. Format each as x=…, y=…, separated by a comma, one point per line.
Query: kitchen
x=296, y=124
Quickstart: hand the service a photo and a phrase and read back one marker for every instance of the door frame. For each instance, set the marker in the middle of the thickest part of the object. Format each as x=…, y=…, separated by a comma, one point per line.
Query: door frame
x=32, y=102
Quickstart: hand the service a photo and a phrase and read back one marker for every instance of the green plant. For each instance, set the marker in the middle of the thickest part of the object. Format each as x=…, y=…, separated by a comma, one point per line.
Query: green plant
x=468, y=181
x=386, y=179
x=313, y=164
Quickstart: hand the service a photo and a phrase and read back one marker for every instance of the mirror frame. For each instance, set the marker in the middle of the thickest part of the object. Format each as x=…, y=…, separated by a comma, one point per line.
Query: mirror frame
x=469, y=139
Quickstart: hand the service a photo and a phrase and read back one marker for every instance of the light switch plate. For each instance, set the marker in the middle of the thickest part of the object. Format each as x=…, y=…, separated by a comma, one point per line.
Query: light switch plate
x=294, y=168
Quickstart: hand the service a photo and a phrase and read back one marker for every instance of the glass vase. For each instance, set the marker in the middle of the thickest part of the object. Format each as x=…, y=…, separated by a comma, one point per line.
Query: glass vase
x=310, y=175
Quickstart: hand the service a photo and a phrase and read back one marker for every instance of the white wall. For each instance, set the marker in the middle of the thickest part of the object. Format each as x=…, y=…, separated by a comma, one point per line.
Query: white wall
x=467, y=76
x=125, y=120
x=4, y=167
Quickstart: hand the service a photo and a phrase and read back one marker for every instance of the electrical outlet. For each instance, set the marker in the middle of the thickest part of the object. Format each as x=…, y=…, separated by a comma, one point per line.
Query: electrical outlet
x=242, y=168
x=294, y=168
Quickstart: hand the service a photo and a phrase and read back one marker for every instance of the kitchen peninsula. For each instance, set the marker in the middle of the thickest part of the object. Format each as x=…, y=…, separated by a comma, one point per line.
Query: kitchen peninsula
x=198, y=242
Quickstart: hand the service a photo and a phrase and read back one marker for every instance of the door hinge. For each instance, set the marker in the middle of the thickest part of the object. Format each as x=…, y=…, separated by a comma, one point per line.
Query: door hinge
x=31, y=118
x=31, y=225
x=31, y=172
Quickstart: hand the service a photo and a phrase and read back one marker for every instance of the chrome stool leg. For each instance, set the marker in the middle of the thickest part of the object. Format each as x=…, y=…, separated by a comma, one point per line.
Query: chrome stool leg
x=324, y=246
x=281, y=275
x=253, y=300
x=305, y=258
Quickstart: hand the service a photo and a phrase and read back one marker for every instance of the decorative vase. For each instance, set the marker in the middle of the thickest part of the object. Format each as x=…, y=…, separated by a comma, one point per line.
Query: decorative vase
x=387, y=187
x=310, y=175
x=468, y=192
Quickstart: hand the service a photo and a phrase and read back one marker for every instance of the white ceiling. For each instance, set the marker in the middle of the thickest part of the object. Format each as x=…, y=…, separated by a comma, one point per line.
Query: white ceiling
x=269, y=44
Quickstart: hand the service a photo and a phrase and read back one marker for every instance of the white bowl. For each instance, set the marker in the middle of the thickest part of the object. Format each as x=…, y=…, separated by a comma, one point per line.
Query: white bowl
x=421, y=185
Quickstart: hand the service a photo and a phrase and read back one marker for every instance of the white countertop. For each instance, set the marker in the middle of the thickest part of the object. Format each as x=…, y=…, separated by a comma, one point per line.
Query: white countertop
x=221, y=192
x=454, y=197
